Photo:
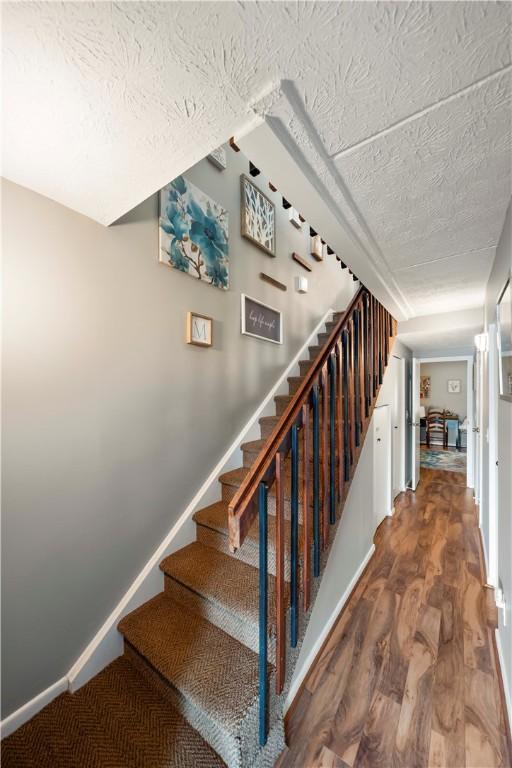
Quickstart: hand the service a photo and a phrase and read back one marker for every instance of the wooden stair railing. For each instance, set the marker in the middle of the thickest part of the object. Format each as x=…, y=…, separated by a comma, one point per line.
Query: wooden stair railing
x=331, y=410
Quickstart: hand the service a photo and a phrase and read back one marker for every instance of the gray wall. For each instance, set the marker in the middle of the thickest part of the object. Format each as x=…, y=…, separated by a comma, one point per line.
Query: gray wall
x=439, y=396
x=110, y=421
x=501, y=270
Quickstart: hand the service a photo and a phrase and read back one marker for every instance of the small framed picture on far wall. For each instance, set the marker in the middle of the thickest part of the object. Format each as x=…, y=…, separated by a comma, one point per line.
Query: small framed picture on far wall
x=454, y=386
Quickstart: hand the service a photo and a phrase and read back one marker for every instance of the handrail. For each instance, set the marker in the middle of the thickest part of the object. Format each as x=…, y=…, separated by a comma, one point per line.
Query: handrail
x=325, y=422
x=241, y=510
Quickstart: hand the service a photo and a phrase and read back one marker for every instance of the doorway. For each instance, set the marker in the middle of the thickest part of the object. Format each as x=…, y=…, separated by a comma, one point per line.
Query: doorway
x=398, y=412
x=415, y=423
x=443, y=416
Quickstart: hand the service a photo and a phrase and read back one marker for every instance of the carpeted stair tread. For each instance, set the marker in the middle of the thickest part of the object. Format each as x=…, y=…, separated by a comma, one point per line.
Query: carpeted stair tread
x=282, y=401
x=117, y=720
x=235, y=477
x=221, y=579
x=253, y=448
x=213, y=532
x=181, y=647
x=270, y=420
x=215, y=516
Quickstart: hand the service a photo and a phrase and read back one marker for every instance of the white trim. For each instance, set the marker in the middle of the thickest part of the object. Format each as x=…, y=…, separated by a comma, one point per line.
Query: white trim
x=508, y=694
x=106, y=645
x=493, y=362
x=32, y=707
x=401, y=383
x=484, y=549
x=294, y=689
x=447, y=359
x=387, y=439
x=415, y=423
x=403, y=425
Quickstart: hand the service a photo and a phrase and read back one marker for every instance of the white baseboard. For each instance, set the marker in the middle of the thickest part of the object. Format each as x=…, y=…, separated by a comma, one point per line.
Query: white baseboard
x=294, y=688
x=508, y=693
x=32, y=707
x=107, y=644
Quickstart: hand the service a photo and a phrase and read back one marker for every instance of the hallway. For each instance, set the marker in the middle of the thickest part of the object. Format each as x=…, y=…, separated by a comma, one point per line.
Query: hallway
x=409, y=674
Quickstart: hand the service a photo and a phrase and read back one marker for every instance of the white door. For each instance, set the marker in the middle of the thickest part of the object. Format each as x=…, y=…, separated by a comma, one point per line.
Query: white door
x=382, y=447
x=398, y=425
x=415, y=423
x=492, y=438
x=475, y=434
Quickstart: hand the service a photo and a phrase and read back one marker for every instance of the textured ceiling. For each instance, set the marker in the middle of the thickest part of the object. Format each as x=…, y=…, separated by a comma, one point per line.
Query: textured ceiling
x=451, y=333
x=400, y=112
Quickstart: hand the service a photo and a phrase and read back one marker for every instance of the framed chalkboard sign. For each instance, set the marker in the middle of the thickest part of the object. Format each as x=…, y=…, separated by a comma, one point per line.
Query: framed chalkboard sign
x=261, y=321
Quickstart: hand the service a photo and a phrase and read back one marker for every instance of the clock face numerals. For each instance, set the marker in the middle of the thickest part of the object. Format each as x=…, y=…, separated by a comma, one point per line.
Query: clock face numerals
x=199, y=330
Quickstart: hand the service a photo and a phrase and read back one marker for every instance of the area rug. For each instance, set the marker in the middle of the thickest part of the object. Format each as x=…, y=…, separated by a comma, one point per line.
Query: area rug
x=452, y=461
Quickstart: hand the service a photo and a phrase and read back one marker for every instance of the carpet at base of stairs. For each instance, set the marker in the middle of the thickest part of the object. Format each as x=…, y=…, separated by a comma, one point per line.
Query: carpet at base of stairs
x=117, y=720
x=208, y=675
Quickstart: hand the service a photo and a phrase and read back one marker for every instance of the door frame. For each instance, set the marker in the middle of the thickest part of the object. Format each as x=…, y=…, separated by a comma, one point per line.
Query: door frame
x=470, y=473
x=493, y=362
x=415, y=423
x=401, y=385
x=389, y=501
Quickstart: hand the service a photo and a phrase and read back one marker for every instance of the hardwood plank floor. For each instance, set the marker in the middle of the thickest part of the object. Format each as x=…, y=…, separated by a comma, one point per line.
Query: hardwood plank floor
x=409, y=676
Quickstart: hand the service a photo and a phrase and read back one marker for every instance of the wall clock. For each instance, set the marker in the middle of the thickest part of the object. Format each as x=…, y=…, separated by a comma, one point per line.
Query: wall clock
x=199, y=329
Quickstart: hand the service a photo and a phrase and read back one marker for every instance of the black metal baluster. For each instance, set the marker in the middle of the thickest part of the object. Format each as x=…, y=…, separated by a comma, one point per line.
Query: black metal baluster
x=381, y=344
x=316, y=483
x=375, y=365
x=332, y=440
x=366, y=339
x=263, y=612
x=357, y=393
x=346, y=434
x=294, y=538
x=386, y=335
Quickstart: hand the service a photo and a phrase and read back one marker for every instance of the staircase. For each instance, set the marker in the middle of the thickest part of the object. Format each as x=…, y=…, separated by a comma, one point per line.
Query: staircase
x=211, y=648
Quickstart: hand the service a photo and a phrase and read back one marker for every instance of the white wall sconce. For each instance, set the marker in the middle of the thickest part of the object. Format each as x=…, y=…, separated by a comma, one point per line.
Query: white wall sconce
x=294, y=218
x=301, y=284
x=481, y=342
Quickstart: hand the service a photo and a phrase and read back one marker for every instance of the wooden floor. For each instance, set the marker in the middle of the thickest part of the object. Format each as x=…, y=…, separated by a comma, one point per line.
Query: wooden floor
x=408, y=677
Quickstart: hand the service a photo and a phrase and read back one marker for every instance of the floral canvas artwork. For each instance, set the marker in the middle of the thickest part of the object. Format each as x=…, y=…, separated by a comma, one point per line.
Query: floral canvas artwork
x=258, y=217
x=194, y=233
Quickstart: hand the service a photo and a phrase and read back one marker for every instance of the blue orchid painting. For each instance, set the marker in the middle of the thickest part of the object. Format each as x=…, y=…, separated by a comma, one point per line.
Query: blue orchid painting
x=194, y=233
